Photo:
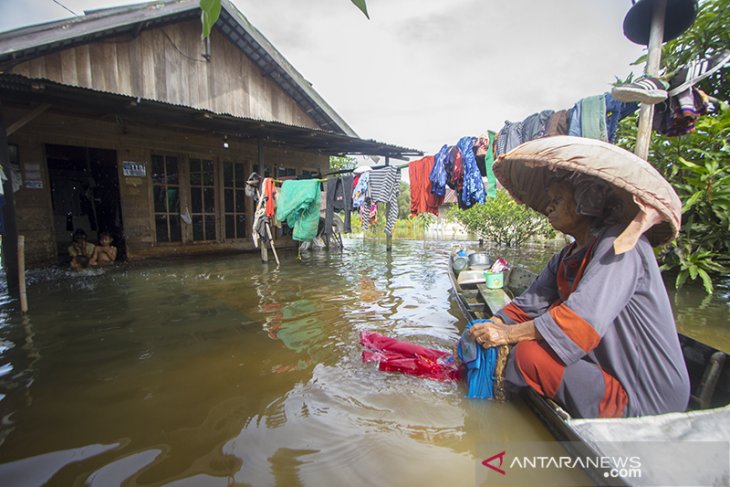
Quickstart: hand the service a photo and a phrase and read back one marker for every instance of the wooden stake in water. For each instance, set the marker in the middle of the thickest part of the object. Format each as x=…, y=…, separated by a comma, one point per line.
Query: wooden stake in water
x=21, y=274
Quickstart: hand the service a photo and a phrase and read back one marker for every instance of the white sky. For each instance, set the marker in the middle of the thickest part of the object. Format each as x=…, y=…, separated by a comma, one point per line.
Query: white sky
x=422, y=73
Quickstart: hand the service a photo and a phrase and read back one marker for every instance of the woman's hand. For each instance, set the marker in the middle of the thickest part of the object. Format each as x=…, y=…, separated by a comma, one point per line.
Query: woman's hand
x=491, y=334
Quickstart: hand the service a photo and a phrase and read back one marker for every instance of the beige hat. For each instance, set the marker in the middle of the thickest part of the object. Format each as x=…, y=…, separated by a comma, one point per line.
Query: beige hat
x=650, y=203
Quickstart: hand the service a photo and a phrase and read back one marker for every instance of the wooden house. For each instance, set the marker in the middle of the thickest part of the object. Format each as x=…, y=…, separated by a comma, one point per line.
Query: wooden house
x=123, y=120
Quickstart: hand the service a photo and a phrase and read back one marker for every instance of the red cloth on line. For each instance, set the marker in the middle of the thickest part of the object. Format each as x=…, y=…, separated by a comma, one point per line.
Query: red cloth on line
x=396, y=356
x=269, y=190
x=422, y=199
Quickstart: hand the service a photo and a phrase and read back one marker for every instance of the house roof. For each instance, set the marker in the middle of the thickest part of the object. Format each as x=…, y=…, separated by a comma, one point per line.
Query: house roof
x=22, y=44
x=20, y=90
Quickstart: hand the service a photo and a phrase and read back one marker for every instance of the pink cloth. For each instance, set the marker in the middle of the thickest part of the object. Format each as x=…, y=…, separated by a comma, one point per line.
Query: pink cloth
x=396, y=356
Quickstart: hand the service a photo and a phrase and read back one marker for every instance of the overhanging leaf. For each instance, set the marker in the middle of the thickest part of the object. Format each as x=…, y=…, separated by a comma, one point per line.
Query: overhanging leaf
x=210, y=10
x=362, y=6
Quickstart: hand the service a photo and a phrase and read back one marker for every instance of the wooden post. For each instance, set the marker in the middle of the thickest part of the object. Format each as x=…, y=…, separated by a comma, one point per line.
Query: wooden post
x=653, y=61
x=262, y=172
x=10, y=239
x=21, y=274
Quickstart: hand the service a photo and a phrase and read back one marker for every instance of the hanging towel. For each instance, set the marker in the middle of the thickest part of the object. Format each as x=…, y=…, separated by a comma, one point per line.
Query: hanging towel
x=480, y=364
x=438, y=172
x=473, y=190
x=384, y=188
x=488, y=162
x=574, y=128
x=298, y=205
x=396, y=356
x=593, y=117
x=422, y=198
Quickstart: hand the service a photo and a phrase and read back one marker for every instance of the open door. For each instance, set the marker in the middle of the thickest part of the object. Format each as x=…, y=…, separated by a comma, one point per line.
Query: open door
x=85, y=194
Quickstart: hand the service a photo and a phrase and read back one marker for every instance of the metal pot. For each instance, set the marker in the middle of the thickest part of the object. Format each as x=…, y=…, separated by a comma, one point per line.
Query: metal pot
x=479, y=260
x=460, y=263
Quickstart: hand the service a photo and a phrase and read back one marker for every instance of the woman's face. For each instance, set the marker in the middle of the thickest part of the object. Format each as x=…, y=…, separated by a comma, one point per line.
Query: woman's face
x=561, y=209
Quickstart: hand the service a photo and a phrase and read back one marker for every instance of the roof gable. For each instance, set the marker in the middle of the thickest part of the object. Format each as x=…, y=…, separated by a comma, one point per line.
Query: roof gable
x=22, y=45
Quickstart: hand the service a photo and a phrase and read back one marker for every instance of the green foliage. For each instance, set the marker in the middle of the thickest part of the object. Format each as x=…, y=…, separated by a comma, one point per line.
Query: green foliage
x=404, y=201
x=210, y=11
x=502, y=221
x=338, y=163
x=698, y=164
x=362, y=6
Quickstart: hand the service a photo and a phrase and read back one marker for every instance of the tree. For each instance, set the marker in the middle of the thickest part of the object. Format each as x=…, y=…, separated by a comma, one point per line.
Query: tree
x=503, y=221
x=341, y=163
x=697, y=164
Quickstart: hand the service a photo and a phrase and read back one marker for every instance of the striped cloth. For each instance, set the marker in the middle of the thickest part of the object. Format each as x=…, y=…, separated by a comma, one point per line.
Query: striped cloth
x=384, y=187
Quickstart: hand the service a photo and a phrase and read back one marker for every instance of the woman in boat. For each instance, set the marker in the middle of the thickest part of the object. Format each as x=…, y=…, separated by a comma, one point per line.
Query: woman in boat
x=595, y=331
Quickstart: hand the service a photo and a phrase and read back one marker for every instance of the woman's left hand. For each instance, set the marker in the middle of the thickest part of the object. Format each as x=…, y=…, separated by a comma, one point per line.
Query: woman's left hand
x=490, y=334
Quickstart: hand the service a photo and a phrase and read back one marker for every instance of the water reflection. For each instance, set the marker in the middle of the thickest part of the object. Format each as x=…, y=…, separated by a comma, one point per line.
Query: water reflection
x=226, y=370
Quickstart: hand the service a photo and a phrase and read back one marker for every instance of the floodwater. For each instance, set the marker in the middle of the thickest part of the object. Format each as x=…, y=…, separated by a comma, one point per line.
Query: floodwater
x=226, y=371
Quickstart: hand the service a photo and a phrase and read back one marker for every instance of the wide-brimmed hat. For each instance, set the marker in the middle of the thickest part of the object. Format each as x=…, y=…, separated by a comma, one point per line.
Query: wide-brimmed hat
x=650, y=204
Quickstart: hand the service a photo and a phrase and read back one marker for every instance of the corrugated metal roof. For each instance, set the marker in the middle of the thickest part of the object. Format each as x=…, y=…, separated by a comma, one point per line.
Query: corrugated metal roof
x=26, y=43
x=21, y=90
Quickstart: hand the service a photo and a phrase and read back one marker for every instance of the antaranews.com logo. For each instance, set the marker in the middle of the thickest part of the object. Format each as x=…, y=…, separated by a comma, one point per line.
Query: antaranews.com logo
x=636, y=463
x=613, y=467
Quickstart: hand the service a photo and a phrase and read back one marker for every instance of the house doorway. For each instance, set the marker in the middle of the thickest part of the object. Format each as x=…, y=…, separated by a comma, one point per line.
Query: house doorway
x=85, y=195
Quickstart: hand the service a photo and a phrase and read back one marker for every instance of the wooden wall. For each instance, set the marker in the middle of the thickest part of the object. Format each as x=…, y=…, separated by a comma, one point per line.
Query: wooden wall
x=132, y=142
x=165, y=64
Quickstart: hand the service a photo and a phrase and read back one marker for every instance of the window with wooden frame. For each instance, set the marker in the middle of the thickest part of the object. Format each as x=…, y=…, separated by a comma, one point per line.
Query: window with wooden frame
x=202, y=199
x=166, y=194
x=234, y=199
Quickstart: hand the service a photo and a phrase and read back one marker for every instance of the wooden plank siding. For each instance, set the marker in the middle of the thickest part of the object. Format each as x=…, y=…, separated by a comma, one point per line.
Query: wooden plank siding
x=166, y=64
x=137, y=143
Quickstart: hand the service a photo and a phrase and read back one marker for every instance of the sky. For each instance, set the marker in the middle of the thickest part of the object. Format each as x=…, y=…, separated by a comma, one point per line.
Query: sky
x=423, y=73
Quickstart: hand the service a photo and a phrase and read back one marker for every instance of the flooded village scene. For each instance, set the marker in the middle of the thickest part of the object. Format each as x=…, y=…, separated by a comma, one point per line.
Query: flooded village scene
x=368, y=243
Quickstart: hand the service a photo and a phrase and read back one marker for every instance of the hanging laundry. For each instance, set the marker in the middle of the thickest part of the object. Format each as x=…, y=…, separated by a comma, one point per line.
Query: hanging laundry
x=339, y=198
x=510, y=136
x=473, y=187
x=574, y=128
x=368, y=214
x=384, y=188
x=593, y=117
x=615, y=112
x=678, y=114
x=298, y=205
x=269, y=193
x=397, y=356
x=454, y=170
x=438, y=172
x=534, y=126
x=488, y=162
x=361, y=190
x=422, y=198
x=558, y=123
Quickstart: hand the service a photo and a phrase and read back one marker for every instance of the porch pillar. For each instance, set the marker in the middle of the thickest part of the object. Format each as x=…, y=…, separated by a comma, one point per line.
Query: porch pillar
x=10, y=236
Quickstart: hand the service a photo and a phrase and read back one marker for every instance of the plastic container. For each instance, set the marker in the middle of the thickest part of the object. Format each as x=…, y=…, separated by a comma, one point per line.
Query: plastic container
x=494, y=280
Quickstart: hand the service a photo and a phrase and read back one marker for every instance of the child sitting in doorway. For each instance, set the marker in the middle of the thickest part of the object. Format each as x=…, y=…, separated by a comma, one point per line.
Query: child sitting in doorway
x=105, y=253
x=81, y=251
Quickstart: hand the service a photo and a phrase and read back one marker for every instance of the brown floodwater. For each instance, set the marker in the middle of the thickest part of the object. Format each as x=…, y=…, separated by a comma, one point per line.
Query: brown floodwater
x=225, y=371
